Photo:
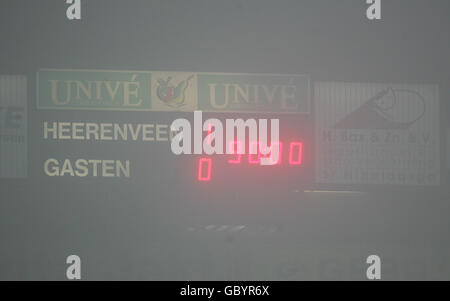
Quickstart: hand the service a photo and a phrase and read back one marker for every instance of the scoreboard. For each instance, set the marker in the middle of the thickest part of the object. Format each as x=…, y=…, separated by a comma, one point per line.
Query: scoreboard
x=102, y=125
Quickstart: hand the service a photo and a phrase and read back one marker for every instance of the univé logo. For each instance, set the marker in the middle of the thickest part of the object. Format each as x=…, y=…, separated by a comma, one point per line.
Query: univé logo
x=213, y=142
x=388, y=109
x=93, y=89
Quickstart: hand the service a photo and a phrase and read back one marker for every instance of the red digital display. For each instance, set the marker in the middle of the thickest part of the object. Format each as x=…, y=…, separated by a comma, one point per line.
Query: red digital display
x=250, y=165
x=205, y=164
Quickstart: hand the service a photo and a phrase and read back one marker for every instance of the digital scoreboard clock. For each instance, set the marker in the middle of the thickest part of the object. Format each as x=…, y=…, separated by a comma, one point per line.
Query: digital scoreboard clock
x=293, y=169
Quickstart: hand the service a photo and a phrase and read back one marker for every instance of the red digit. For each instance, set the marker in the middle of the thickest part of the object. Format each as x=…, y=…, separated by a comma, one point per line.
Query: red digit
x=201, y=176
x=209, y=133
x=251, y=158
x=298, y=160
x=274, y=146
x=232, y=149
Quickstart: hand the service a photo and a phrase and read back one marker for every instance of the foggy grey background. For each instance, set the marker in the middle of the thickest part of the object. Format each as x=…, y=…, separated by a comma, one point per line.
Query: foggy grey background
x=121, y=231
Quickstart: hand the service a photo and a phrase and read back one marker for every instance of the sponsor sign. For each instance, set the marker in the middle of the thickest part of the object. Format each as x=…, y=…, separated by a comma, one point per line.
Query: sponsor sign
x=13, y=126
x=112, y=90
x=172, y=91
x=377, y=134
x=254, y=93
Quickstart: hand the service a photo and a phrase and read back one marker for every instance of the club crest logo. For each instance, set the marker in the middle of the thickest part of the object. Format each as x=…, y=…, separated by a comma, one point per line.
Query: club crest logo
x=172, y=95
